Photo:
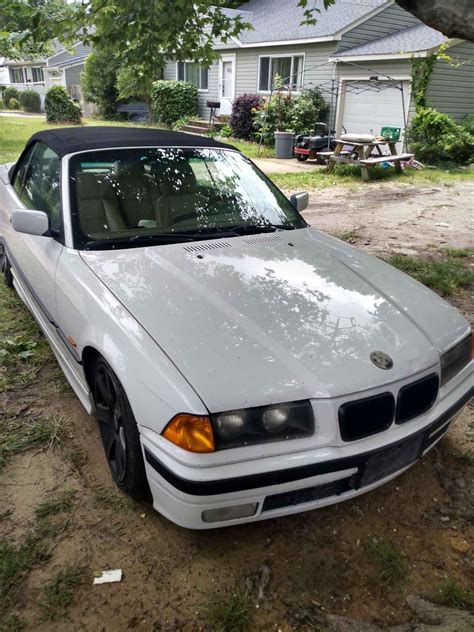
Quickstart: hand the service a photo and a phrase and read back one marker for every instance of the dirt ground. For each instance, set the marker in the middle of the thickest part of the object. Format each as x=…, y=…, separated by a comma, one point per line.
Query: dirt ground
x=398, y=217
x=305, y=565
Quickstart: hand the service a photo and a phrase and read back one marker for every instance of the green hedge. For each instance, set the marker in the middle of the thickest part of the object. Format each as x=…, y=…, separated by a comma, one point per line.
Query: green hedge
x=435, y=137
x=174, y=100
x=10, y=93
x=14, y=104
x=60, y=108
x=30, y=100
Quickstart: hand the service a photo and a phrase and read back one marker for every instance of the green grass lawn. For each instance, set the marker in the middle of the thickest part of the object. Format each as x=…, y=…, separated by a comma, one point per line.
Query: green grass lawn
x=350, y=176
x=16, y=130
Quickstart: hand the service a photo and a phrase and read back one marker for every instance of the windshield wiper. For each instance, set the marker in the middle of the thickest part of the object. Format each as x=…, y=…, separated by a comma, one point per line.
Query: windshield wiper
x=252, y=229
x=139, y=240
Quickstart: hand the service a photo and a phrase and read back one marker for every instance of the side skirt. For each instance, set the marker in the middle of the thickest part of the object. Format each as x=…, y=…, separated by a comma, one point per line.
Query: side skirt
x=78, y=384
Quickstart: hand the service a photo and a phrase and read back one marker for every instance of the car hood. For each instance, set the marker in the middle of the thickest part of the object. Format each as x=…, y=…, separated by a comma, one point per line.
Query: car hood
x=278, y=317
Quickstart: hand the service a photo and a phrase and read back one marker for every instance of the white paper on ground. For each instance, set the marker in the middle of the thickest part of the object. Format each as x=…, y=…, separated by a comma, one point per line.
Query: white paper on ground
x=108, y=577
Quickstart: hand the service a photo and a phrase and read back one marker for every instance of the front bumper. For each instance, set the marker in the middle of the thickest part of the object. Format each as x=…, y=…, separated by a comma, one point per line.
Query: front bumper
x=288, y=490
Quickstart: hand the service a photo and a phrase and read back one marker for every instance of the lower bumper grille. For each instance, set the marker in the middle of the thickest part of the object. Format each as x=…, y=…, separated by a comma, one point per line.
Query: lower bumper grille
x=307, y=495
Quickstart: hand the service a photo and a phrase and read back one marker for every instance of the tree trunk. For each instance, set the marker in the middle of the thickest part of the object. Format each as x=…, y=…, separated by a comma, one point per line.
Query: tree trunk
x=454, y=18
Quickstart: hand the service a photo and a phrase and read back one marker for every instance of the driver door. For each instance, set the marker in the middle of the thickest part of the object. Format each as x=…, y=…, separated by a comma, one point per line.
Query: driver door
x=37, y=185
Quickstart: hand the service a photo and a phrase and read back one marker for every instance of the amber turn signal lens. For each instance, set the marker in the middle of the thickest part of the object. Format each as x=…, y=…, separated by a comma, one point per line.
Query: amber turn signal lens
x=191, y=432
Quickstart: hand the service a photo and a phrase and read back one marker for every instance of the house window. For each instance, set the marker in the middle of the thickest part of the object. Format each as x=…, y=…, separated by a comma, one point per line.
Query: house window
x=194, y=73
x=37, y=74
x=289, y=68
x=16, y=75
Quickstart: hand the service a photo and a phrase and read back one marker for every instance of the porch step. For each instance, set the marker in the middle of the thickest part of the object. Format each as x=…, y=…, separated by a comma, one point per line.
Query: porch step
x=198, y=126
x=193, y=129
x=198, y=123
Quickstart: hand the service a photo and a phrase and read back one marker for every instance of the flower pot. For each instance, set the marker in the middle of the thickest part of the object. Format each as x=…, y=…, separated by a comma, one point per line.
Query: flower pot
x=284, y=144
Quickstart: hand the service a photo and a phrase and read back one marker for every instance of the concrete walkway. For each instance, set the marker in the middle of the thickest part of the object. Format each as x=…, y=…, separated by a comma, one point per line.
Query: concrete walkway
x=274, y=165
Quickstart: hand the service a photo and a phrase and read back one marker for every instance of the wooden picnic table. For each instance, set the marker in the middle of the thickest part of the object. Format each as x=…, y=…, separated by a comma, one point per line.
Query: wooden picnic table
x=365, y=155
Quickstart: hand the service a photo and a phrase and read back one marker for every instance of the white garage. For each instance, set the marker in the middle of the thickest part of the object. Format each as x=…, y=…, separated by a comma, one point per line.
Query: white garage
x=367, y=106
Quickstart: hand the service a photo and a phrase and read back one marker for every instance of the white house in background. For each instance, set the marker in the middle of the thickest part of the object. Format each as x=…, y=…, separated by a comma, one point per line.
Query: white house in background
x=63, y=67
x=24, y=75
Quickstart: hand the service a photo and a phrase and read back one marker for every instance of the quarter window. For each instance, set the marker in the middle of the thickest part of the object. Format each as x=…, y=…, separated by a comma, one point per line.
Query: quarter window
x=289, y=68
x=38, y=184
x=194, y=73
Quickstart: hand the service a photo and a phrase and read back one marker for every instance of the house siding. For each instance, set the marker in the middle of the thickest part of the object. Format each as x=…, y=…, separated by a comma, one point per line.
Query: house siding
x=386, y=22
x=65, y=55
x=314, y=72
x=451, y=88
x=73, y=75
x=169, y=74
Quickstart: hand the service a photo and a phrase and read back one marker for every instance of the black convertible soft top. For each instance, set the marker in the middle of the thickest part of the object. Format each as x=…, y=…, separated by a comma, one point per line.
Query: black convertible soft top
x=70, y=140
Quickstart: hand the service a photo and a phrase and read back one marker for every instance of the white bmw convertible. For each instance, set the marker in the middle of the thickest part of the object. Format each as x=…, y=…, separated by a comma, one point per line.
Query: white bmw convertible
x=241, y=364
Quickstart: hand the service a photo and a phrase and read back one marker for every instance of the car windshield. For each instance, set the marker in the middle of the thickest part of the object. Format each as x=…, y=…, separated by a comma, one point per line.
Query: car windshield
x=124, y=198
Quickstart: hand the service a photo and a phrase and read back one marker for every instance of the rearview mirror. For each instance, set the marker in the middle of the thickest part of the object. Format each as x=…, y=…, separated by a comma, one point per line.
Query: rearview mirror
x=300, y=201
x=30, y=222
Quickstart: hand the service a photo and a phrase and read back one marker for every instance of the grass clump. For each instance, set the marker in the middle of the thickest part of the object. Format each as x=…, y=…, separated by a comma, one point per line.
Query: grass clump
x=351, y=236
x=228, y=613
x=58, y=593
x=453, y=595
x=21, y=434
x=392, y=564
x=23, y=349
x=458, y=253
x=53, y=507
x=15, y=563
x=445, y=276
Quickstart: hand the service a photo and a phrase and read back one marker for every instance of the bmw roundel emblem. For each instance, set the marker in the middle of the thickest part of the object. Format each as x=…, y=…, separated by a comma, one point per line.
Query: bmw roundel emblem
x=382, y=360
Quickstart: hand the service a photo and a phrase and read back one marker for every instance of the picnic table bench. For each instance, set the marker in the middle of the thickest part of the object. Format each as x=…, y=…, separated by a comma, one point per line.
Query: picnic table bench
x=362, y=155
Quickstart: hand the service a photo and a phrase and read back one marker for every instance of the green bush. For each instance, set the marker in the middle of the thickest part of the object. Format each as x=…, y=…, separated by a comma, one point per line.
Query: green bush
x=468, y=123
x=2, y=104
x=291, y=113
x=436, y=137
x=99, y=82
x=14, y=104
x=30, y=100
x=60, y=108
x=173, y=100
x=10, y=93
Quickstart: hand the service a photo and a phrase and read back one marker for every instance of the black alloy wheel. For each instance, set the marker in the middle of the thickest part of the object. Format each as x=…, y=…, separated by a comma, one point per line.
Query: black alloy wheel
x=119, y=432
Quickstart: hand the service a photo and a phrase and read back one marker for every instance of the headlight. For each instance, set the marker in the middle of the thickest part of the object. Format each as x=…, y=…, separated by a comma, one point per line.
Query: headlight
x=456, y=358
x=263, y=424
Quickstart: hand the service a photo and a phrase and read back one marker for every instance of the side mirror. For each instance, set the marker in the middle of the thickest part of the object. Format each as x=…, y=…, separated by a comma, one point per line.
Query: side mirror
x=300, y=201
x=30, y=222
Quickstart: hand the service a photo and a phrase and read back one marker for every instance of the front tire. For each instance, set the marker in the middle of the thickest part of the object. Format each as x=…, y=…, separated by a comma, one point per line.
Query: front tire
x=7, y=270
x=119, y=433
x=302, y=157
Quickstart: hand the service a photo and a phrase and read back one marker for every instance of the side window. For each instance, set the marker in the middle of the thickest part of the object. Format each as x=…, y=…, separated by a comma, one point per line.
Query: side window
x=38, y=184
x=21, y=170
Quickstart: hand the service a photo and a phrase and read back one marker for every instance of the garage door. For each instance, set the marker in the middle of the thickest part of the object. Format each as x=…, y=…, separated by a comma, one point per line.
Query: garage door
x=367, y=112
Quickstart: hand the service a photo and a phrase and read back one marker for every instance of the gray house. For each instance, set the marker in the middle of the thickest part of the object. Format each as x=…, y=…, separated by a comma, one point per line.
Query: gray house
x=362, y=47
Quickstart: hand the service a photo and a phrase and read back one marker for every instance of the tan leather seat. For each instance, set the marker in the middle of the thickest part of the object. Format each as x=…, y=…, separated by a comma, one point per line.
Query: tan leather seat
x=99, y=209
x=137, y=192
x=181, y=199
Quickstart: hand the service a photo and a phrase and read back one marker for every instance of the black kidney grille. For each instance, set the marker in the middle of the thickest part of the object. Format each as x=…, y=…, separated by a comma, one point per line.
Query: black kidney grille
x=365, y=417
x=417, y=398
